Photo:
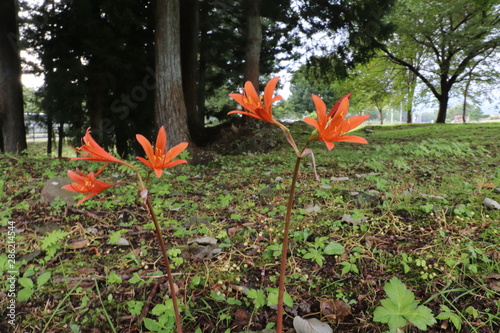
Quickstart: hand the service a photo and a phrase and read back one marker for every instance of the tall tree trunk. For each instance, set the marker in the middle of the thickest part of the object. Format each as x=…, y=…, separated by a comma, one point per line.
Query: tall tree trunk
x=61, y=139
x=443, y=107
x=189, y=26
x=202, y=62
x=11, y=93
x=170, y=109
x=466, y=92
x=50, y=134
x=253, y=42
x=412, y=84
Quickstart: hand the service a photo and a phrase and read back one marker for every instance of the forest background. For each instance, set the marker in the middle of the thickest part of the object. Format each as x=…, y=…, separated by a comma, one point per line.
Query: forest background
x=103, y=66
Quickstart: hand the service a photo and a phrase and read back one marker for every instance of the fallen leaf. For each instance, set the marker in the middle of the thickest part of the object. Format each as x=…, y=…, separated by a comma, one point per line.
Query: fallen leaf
x=241, y=317
x=79, y=244
x=334, y=311
x=312, y=325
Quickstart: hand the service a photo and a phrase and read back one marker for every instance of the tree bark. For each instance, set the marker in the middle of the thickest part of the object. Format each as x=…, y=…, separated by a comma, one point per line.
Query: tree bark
x=170, y=108
x=11, y=92
x=189, y=28
x=253, y=42
x=443, y=106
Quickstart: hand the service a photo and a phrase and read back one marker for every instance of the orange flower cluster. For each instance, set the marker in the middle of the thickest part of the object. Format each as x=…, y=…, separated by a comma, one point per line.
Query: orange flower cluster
x=158, y=159
x=328, y=127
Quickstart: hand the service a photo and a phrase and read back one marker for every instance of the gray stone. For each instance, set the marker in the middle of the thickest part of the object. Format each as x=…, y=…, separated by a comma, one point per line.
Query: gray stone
x=121, y=242
x=52, y=189
x=339, y=179
x=423, y=195
x=312, y=208
x=364, y=175
x=204, y=241
x=491, y=204
x=497, y=189
x=364, y=200
x=355, y=221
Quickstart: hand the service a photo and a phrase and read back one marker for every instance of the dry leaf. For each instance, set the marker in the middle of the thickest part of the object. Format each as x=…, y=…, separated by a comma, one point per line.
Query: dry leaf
x=79, y=244
x=312, y=325
x=334, y=311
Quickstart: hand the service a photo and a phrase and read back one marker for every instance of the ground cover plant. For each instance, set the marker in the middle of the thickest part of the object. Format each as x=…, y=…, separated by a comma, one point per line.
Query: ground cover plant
x=408, y=205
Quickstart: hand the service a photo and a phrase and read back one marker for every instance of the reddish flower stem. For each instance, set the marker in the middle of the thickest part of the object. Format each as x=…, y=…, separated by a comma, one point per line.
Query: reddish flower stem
x=167, y=266
x=284, y=249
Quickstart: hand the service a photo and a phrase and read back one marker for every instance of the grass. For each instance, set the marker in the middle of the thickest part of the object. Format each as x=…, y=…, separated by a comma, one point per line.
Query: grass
x=411, y=208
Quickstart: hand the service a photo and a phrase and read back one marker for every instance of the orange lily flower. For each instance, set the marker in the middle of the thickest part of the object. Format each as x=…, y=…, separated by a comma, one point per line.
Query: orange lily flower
x=91, y=151
x=158, y=159
x=253, y=105
x=333, y=127
x=86, y=184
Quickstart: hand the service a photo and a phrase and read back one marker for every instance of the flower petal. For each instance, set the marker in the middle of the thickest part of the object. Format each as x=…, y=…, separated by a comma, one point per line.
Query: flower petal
x=320, y=110
x=311, y=121
x=146, y=145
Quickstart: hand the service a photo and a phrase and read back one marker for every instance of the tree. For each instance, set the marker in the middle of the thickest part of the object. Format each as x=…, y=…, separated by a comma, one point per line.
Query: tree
x=12, y=128
x=170, y=108
x=452, y=34
x=97, y=59
x=372, y=85
x=354, y=27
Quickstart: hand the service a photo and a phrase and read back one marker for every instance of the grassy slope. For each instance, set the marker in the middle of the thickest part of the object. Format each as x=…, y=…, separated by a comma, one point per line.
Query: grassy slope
x=426, y=225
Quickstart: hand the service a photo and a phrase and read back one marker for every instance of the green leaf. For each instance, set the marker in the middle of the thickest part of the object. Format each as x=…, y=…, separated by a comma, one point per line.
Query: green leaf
x=421, y=317
x=24, y=294
x=272, y=298
x=398, y=293
x=159, y=309
x=258, y=296
x=334, y=249
x=25, y=282
x=151, y=325
x=42, y=279
x=401, y=307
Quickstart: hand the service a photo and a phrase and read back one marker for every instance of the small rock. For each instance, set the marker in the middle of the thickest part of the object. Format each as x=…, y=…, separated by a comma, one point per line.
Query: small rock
x=491, y=204
x=374, y=192
x=339, y=179
x=366, y=200
x=364, y=175
x=423, y=195
x=122, y=242
x=204, y=241
x=52, y=189
x=266, y=192
x=311, y=208
x=278, y=179
x=91, y=230
x=354, y=221
x=325, y=187
x=497, y=189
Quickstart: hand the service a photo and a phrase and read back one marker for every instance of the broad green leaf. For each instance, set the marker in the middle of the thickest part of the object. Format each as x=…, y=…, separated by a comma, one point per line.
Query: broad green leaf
x=389, y=314
x=421, y=317
x=24, y=294
x=159, y=309
x=151, y=325
x=398, y=293
x=334, y=249
x=401, y=307
x=258, y=296
x=25, y=282
x=272, y=298
x=42, y=279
